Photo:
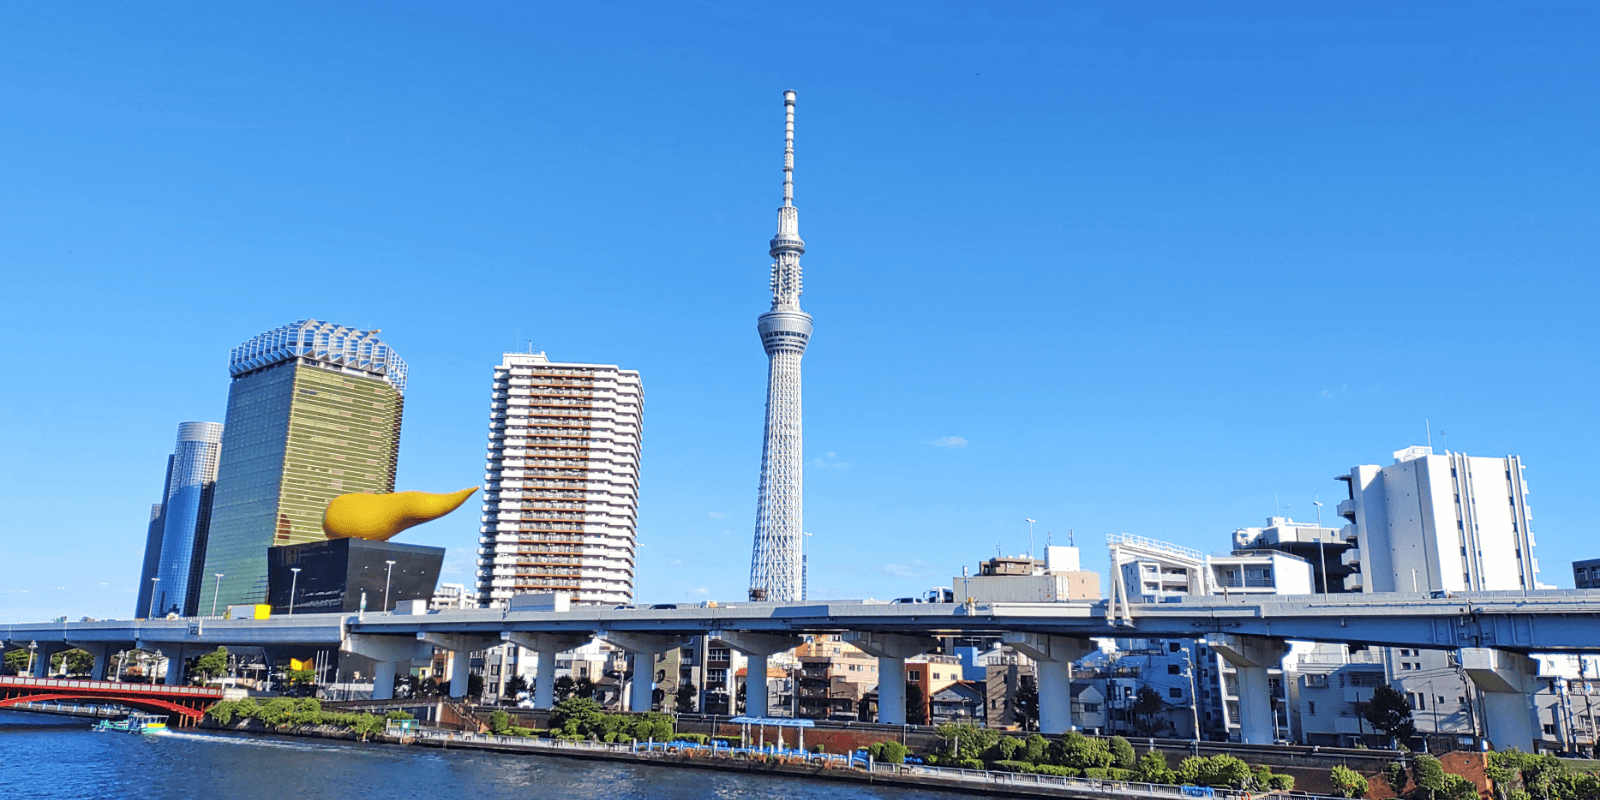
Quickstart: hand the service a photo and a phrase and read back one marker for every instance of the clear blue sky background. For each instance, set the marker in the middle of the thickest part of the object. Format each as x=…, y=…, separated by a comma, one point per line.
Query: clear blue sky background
x=1155, y=265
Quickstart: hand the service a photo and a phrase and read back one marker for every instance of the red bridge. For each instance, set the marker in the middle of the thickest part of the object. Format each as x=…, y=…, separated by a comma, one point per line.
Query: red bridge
x=186, y=704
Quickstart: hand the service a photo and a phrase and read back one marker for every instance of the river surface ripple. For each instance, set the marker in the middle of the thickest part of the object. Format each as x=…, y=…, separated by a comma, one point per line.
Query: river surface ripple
x=45, y=756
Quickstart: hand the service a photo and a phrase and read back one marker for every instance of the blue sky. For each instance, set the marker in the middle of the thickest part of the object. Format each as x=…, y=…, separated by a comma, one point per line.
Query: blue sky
x=1118, y=269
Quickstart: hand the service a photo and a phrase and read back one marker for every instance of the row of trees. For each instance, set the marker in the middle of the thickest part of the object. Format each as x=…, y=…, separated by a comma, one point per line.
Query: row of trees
x=969, y=746
x=283, y=712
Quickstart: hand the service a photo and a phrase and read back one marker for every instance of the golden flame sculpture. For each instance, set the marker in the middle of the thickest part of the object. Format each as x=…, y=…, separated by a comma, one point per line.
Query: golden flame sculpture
x=378, y=517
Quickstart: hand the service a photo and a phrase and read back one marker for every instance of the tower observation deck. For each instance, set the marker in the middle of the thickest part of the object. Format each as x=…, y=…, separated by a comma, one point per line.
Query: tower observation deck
x=775, y=564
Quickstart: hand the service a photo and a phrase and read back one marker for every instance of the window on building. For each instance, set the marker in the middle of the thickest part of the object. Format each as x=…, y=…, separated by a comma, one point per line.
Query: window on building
x=1172, y=669
x=1173, y=647
x=914, y=675
x=1550, y=730
x=1175, y=692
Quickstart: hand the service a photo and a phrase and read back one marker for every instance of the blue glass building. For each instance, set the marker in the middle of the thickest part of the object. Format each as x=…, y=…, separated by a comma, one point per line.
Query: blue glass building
x=185, y=519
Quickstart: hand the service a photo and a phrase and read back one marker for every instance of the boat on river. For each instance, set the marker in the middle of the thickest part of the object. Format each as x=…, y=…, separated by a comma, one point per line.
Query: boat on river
x=134, y=723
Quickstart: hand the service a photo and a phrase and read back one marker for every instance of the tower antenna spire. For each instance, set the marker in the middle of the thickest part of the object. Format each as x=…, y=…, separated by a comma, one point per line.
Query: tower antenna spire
x=777, y=571
x=788, y=148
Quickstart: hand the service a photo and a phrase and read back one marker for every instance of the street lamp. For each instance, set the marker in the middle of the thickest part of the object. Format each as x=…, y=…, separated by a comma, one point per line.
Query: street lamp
x=387, y=573
x=1030, y=536
x=292, y=583
x=32, y=646
x=154, y=585
x=1322, y=553
x=214, y=592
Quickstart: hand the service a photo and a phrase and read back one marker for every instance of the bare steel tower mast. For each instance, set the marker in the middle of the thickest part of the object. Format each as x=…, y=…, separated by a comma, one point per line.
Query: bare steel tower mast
x=775, y=566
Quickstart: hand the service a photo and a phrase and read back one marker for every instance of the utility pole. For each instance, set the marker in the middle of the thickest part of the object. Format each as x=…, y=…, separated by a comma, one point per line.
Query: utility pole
x=1194, y=699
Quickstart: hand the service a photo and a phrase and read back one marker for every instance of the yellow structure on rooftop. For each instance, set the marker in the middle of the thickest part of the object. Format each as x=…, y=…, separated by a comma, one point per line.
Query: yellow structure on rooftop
x=378, y=517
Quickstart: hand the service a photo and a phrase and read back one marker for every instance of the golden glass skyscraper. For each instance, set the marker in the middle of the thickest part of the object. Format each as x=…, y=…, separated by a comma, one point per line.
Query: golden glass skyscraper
x=313, y=412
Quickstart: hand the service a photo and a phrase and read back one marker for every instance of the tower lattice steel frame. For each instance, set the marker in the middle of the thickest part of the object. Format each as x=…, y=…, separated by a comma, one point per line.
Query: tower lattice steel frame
x=776, y=571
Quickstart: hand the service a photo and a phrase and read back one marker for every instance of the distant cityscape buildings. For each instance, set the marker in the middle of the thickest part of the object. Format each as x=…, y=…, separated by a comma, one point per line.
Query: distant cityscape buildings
x=561, y=498
x=314, y=412
x=175, y=544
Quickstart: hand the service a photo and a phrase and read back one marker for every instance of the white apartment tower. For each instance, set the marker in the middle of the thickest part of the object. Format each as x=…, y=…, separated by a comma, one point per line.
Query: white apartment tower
x=561, y=491
x=1430, y=523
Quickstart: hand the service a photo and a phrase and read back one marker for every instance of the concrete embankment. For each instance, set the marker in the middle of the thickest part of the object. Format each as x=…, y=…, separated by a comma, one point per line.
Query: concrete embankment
x=956, y=781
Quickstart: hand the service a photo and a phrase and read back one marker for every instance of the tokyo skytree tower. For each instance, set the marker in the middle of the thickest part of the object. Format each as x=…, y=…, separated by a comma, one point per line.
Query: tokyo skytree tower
x=775, y=566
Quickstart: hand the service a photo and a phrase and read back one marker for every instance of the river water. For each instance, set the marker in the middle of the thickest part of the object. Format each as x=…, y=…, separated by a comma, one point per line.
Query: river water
x=45, y=756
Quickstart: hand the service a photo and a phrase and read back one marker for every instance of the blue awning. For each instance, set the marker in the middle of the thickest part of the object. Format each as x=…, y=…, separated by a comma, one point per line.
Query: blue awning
x=782, y=722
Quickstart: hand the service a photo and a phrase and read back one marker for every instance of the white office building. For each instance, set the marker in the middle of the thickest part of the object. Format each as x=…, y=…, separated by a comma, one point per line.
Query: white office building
x=562, y=481
x=1431, y=523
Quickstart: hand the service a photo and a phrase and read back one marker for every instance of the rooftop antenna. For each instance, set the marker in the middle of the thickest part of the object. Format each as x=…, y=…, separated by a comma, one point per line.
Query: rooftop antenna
x=1444, y=441
x=1428, y=426
x=1069, y=538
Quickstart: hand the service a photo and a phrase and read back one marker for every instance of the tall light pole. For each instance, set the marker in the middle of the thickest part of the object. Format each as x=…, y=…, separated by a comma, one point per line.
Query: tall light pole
x=155, y=583
x=1322, y=552
x=214, y=592
x=386, y=575
x=292, y=583
x=1030, y=536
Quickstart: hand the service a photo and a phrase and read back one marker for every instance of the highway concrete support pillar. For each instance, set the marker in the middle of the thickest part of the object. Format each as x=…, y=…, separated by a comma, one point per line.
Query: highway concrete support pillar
x=644, y=647
x=1053, y=655
x=1508, y=682
x=461, y=647
x=388, y=652
x=757, y=647
x=891, y=650
x=546, y=645
x=102, y=657
x=1252, y=656
x=174, y=665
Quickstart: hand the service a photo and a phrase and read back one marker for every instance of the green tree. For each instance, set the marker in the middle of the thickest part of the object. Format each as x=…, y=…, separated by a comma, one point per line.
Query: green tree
x=1153, y=768
x=964, y=740
x=211, y=664
x=564, y=687
x=1037, y=749
x=515, y=687
x=916, y=705
x=475, y=686
x=1147, y=705
x=685, y=698
x=16, y=661
x=1429, y=775
x=1027, y=703
x=1122, y=753
x=499, y=722
x=575, y=716
x=299, y=677
x=1347, y=782
x=1388, y=712
x=1081, y=752
x=584, y=688
x=71, y=662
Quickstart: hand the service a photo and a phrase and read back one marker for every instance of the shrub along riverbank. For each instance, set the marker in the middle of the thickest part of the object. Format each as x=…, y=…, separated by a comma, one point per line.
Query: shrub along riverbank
x=1075, y=755
x=283, y=712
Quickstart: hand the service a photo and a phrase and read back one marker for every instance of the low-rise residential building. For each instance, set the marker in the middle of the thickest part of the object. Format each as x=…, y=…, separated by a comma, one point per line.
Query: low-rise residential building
x=962, y=701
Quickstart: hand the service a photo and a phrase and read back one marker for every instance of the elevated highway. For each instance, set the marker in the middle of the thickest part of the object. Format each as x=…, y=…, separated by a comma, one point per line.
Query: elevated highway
x=1494, y=632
